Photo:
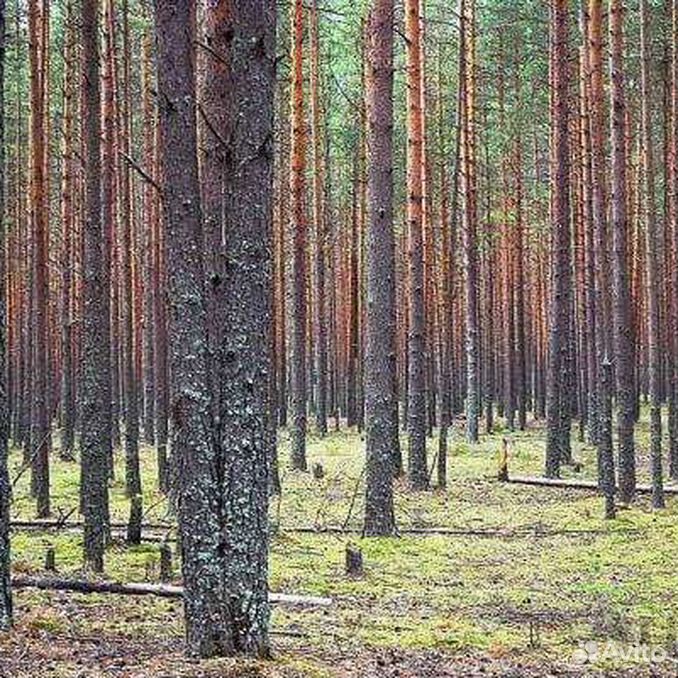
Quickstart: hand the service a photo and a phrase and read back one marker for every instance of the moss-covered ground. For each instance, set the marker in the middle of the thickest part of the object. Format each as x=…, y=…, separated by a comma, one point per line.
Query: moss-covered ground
x=525, y=579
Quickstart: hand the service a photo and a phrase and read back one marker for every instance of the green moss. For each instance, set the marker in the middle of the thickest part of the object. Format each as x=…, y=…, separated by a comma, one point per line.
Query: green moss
x=554, y=576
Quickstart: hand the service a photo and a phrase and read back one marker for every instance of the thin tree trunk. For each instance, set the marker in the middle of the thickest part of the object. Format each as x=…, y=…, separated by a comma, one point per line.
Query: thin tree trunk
x=319, y=219
x=623, y=329
x=381, y=397
x=473, y=397
x=299, y=227
x=40, y=418
x=5, y=488
x=673, y=457
x=149, y=202
x=68, y=226
x=558, y=410
x=95, y=438
x=653, y=272
x=416, y=424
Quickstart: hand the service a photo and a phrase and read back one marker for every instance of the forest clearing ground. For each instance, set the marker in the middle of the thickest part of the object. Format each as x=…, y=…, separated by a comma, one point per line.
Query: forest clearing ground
x=547, y=576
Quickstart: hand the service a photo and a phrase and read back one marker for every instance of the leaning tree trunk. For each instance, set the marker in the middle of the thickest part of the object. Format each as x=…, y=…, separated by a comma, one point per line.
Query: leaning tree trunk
x=381, y=398
x=5, y=488
x=95, y=438
x=197, y=461
x=558, y=404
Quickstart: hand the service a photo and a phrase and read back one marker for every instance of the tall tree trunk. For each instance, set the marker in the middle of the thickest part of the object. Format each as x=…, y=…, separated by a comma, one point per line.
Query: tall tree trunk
x=381, y=398
x=558, y=407
x=197, y=457
x=653, y=272
x=5, y=488
x=298, y=227
x=40, y=417
x=246, y=358
x=95, y=438
x=416, y=345
x=214, y=114
x=68, y=227
x=673, y=457
x=109, y=213
x=468, y=176
x=598, y=179
x=623, y=329
x=149, y=204
x=320, y=223
x=132, y=470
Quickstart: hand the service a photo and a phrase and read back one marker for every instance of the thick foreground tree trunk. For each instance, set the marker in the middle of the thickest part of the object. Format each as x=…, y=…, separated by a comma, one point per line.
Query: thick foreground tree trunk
x=197, y=462
x=245, y=407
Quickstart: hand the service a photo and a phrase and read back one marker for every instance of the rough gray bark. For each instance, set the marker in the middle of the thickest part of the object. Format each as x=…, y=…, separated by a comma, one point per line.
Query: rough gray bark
x=196, y=457
x=95, y=398
x=244, y=410
x=558, y=408
x=381, y=398
x=5, y=487
x=216, y=163
x=621, y=300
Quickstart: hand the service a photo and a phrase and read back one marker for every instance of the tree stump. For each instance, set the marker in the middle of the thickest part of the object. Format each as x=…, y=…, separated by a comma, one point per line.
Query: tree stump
x=354, y=561
x=135, y=520
x=166, y=573
x=503, y=474
x=50, y=559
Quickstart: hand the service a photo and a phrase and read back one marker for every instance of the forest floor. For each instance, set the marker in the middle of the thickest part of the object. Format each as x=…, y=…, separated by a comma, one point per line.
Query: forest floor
x=529, y=582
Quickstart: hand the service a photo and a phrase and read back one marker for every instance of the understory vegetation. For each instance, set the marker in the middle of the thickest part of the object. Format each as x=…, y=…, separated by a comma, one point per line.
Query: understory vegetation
x=484, y=576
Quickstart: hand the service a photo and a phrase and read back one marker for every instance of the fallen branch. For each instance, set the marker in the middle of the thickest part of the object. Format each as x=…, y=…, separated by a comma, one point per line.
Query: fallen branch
x=432, y=530
x=591, y=485
x=142, y=589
